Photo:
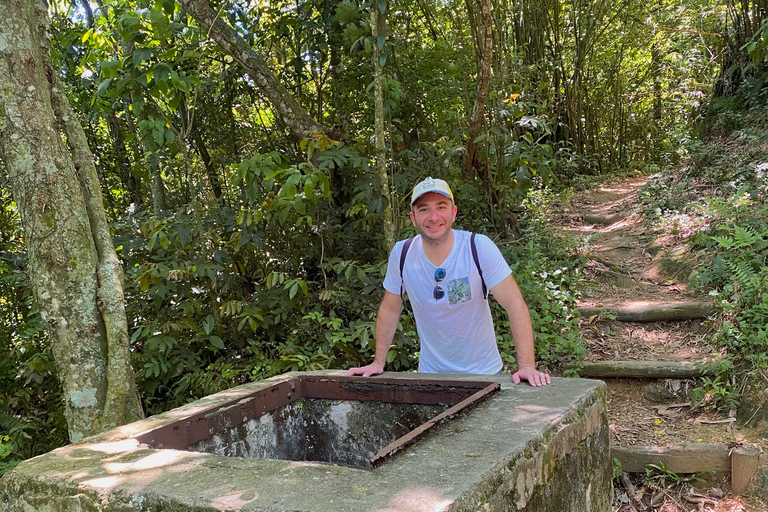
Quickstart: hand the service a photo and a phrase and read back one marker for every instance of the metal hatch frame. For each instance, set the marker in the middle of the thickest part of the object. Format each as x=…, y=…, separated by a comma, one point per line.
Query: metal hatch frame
x=459, y=394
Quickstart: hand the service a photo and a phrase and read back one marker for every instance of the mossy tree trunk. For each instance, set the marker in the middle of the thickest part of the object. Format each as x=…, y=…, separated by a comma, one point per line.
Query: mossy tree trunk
x=74, y=271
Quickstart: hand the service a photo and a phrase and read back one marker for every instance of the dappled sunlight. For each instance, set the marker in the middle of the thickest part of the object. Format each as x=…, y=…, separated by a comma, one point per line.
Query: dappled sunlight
x=417, y=500
x=108, y=482
x=235, y=500
x=158, y=459
x=115, y=447
x=535, y=414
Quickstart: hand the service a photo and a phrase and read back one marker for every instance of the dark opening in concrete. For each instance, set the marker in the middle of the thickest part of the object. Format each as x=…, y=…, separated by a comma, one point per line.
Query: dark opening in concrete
x=351, y=421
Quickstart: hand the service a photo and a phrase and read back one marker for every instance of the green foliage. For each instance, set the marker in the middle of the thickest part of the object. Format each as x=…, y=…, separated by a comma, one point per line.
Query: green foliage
x=549, y=278
x=659, y=475
x=718, y=392
x=617, y=471
x=7, y=460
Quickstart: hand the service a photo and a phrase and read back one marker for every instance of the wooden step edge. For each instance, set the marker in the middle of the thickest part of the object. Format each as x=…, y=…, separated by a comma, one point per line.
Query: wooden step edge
x=653, y=311
x=644, y=369
x=594, y=219
x=742, y=462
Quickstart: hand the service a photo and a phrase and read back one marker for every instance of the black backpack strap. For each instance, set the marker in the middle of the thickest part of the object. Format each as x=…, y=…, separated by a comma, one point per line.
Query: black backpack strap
x=403, y=253
x=477, y=264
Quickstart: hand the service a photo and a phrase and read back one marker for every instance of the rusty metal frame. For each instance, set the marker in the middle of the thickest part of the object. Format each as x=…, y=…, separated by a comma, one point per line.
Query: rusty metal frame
x=460, y=394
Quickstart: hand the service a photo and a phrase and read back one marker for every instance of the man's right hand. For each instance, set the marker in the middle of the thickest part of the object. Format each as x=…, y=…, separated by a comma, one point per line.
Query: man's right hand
x=366, y=371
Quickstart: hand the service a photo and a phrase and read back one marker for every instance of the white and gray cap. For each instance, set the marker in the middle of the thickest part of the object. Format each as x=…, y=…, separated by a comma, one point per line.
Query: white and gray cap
x=431, y=185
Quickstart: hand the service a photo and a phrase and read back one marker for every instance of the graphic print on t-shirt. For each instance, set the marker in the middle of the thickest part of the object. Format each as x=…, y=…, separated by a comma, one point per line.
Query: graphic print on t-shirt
x=458, y=291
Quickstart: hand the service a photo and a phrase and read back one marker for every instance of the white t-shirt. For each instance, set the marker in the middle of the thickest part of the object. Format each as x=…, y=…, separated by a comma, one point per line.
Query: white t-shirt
x=456, y=332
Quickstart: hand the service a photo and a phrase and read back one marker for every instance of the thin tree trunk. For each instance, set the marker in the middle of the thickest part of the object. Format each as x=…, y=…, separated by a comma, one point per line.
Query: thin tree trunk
x=74, y=271
x=381, y=156
x=122, y=161
x=151, y=160
x=213, y=177
x=471, y=160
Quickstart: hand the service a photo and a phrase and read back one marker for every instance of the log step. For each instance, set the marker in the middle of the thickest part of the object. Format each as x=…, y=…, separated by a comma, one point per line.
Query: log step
x=603, y=219
x=645, y=369
x=653, y=311
x=741, y=462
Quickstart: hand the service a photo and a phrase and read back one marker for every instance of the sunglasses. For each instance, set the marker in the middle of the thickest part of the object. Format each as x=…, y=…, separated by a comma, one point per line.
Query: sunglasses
x=438, y=293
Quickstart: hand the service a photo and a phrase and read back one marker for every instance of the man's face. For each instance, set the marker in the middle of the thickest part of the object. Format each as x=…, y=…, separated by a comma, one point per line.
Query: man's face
x=433, y=214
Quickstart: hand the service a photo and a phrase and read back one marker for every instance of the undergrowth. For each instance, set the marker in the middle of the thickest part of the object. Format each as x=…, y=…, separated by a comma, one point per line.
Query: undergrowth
x=724, y=190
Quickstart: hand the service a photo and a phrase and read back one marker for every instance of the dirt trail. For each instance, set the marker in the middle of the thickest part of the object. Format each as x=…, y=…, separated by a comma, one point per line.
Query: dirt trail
x=635, y=265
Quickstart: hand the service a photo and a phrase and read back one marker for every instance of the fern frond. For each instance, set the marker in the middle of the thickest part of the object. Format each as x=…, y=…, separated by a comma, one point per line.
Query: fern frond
x=745, y=274
x=745, y=236
x=726, y=242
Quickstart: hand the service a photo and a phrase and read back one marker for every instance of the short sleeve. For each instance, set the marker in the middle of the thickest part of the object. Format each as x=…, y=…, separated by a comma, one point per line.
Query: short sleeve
x=495, y=267
x=392, y=279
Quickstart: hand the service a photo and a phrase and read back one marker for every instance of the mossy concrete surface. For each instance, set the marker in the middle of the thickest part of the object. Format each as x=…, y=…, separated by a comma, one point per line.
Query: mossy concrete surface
x=533, y=449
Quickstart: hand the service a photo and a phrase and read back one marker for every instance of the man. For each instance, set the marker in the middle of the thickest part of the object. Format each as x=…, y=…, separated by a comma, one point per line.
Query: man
x=445, y=290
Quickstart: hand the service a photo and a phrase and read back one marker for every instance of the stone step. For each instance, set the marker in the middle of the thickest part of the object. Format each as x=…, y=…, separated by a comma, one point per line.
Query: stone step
x=741, y=462
x=649, y=311
x=645, y=369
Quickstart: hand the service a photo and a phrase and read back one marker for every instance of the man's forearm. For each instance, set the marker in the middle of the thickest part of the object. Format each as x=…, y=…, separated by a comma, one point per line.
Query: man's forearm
x=522, y=333
x=386, y=325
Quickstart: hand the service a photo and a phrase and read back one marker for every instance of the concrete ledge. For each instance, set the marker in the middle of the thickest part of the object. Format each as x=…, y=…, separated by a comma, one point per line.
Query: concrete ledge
x=533, y=449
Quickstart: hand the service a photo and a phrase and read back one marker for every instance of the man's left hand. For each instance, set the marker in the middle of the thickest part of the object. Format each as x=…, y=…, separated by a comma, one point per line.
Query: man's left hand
x=535, y=378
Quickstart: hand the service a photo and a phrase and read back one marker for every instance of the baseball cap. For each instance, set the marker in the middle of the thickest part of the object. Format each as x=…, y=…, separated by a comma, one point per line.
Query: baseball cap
x=431, y=185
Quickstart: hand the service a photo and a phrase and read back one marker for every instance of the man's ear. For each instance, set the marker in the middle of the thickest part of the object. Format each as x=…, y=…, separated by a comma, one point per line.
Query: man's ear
x=410, y=214
x=455, y=211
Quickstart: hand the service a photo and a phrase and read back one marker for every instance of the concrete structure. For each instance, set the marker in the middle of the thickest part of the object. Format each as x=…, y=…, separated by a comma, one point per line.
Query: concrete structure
x=524, y=448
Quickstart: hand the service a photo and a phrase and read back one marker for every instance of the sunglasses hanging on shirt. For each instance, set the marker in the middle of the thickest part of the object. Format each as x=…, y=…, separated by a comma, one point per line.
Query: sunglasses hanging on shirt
x=438, y=293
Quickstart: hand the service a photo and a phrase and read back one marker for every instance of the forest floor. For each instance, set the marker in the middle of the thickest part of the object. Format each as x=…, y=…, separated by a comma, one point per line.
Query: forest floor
x=635, y=262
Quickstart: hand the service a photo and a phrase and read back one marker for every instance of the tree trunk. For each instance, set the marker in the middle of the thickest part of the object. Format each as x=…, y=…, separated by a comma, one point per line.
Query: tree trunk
x=122, y=161
x=381, y=156
x=148, y=146
x=213, y=177
x=299, y=122
x=471, y=160
x=74, y=272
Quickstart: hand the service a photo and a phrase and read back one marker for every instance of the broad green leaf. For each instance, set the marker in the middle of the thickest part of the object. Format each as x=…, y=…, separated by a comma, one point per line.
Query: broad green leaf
x=161, y=72
x=208, y=324
x=191, y=54
x=137, y=333
x=216, y=341
x=168, y=6
x=161, y=27
x=140, y=55
x=110, y=68
x=103, y=87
